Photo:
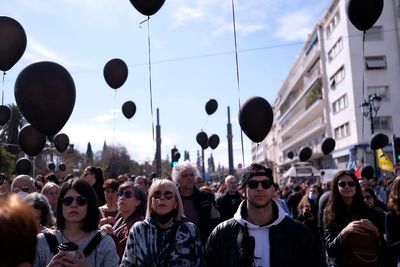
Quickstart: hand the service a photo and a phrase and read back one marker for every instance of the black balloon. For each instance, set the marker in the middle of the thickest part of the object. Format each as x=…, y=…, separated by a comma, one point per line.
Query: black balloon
x=364, y=13
x=211, y=106
x=45, y=95
x=12, y=42
x=51, y=166
x=378, y=140
x=115, y=73
x=290, y=155
x=328, y=145
x=305, y=153
x=62, y=167
x=147, y=7
x=367, y=172
x=5, y=114
x=23, y=166
x=202, y=139
x=213, y=141
x=129, y=109
x=255, y=118
x=31, y=140
x=61, y=142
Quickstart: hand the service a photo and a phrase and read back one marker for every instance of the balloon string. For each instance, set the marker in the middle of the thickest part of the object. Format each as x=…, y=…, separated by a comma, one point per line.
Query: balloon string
x=2, y=91
x=115, y=115
x=150, y=87
x=363, y=79
x=237, y=73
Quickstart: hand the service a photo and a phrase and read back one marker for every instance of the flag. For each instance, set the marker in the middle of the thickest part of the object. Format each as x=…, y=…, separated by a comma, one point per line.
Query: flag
x=384, y=161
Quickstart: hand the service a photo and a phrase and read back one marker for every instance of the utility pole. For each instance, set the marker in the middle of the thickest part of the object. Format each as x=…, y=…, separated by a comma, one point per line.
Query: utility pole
x=230, y=150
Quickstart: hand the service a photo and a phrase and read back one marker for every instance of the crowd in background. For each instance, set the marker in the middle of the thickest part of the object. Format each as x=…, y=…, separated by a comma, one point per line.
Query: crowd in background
x=146, y=221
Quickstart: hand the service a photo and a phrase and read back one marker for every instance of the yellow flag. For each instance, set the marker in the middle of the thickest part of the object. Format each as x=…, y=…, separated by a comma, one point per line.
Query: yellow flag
x=384, y=161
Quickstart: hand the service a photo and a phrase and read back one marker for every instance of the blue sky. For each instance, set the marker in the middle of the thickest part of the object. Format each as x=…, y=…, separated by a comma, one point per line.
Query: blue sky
x=193, y=60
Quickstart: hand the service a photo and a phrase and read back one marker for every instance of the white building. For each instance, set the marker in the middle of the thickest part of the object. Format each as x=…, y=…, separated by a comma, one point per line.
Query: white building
x=322, y=94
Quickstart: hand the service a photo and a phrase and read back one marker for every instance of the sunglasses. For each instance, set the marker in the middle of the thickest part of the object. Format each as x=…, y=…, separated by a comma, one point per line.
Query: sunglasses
x=349, y=183
x=81, y=201
x=167, y=195
x=253, y=184
x=126, y=194
x=24, y=188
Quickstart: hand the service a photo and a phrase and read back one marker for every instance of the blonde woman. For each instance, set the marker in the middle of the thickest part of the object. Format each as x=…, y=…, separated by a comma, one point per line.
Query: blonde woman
x=165, y=237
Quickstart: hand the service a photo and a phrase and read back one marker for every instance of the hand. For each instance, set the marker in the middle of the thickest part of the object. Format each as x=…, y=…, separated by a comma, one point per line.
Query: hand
x=353, y=227
x=69, y=261
x=368, y=226
x=107, y=229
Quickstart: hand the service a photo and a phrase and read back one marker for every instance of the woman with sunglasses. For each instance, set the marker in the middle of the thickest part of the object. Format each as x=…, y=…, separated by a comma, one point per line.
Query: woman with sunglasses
x=348, y=218
x=77, y=222
x=165, y=237
x=131, y=207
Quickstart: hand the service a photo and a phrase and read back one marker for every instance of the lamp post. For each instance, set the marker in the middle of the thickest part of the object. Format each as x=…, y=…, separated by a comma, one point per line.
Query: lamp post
x=369, y=110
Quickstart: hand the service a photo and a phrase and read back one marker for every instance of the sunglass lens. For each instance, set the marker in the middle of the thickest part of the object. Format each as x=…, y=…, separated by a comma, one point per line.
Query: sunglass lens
x=81, y=201
x=67, y=201
x=168, y=195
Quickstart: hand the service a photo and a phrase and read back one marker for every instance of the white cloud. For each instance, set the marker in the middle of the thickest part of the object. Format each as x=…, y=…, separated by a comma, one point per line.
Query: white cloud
x=37, y=51
x=295, y=26
x=186, y=14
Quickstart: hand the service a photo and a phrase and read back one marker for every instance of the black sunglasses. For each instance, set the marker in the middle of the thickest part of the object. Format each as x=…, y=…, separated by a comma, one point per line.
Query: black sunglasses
x=253, y=184
x=349, y=183
x=126, y=194
x=167, y=195
x=81, y=201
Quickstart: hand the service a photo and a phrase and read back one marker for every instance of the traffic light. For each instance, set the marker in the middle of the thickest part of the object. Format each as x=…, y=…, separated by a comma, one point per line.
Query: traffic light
x=396, y=149
x=175, y=156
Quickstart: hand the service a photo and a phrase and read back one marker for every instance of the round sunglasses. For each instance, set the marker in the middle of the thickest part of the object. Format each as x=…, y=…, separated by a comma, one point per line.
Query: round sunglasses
x=167, y=195
x=81, y=201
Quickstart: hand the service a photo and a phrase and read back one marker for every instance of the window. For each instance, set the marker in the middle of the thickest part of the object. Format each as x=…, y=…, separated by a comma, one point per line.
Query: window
x=375, y=63
x=383, y=123
x=337, y=77
x=340, y=104
x=335, y=50
x=342, y=131
x=332, y=24
x=374, y=34
x=382, y=91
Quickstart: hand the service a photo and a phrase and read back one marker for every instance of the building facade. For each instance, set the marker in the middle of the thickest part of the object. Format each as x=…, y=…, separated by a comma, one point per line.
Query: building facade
x=334, y=73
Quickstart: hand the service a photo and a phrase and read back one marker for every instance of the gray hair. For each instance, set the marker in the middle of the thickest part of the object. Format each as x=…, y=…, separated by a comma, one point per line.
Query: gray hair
x=184, y=166
x=40, y=202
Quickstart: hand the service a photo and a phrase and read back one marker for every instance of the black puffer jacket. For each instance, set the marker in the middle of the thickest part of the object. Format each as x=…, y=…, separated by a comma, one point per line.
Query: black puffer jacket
x=291, y=244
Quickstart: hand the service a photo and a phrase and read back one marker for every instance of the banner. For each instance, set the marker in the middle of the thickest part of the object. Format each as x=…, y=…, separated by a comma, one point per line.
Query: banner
x=383, y=161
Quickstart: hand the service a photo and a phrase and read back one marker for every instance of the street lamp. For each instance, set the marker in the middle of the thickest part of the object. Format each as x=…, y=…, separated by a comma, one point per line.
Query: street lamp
x=369, y=110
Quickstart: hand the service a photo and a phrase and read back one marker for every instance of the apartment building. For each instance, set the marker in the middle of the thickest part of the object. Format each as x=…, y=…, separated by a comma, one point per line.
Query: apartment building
x=334, y=73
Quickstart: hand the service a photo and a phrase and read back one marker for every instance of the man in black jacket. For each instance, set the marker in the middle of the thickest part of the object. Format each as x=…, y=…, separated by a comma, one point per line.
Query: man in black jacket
x=228, y=203
x=198, y=207
x=260, y=233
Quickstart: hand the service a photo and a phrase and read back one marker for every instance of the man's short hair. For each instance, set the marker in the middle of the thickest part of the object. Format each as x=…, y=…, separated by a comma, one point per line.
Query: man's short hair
x=255, y=169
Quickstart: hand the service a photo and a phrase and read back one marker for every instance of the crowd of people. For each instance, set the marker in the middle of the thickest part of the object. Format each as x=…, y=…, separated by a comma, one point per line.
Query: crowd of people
x=90, y=220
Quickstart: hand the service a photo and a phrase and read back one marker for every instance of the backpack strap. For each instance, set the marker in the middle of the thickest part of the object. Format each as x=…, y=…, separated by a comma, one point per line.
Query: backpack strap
x=93, y=243
x=52, y=242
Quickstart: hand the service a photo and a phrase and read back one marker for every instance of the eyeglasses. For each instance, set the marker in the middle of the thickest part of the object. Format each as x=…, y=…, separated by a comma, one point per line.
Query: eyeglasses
x=253, y=184
x=126, y=194
x=167, y=195
x=81, y=201
x=24, y=188
x=349, y=183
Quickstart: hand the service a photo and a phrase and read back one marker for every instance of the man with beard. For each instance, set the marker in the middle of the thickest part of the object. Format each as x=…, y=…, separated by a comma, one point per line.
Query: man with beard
x=260, y=233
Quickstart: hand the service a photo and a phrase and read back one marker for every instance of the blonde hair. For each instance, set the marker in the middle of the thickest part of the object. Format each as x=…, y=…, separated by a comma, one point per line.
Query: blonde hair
x=167, y=185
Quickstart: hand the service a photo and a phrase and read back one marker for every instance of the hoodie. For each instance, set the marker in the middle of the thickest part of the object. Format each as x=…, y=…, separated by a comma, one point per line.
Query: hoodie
x=260, y=233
